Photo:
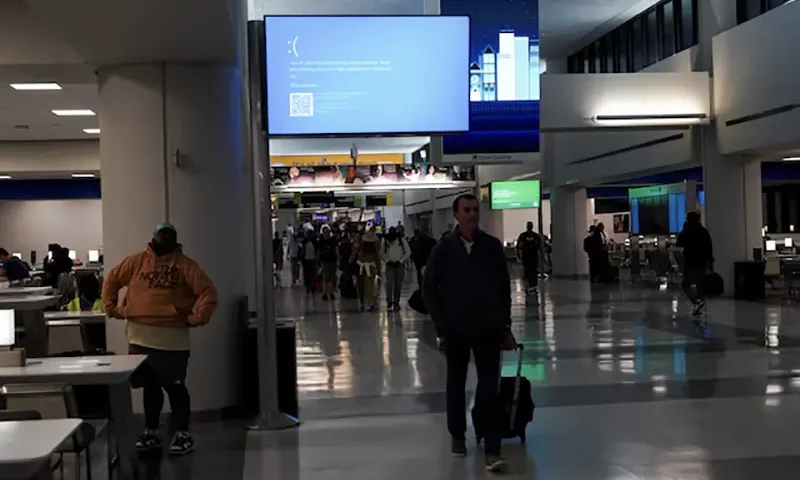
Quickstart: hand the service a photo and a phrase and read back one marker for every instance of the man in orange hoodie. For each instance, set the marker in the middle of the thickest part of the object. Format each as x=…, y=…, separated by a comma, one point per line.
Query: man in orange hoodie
x=167, y=293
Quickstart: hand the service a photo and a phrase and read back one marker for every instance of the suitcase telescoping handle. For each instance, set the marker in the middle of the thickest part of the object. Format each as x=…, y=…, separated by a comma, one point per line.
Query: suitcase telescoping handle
x=512, y=418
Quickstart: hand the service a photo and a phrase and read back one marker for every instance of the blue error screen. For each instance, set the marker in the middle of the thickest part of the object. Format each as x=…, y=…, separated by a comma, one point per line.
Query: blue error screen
x=366, y=74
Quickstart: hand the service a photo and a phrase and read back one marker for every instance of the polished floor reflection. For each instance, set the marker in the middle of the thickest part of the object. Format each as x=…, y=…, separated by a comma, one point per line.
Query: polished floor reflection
x=626, y=385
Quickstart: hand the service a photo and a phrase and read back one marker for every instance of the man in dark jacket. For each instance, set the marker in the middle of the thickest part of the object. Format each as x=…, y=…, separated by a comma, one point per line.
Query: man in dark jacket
x=420, y=252
x=468, y=292
x=698, y=258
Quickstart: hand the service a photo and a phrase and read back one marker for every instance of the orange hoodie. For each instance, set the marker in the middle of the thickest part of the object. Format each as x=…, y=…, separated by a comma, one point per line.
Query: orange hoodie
x=169, y=291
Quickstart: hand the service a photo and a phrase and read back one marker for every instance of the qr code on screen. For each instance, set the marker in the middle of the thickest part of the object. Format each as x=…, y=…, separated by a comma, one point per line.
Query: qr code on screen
x=301, y=104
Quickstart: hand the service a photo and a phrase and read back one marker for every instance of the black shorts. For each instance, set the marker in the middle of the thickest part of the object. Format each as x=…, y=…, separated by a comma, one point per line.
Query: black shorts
x=162, y=367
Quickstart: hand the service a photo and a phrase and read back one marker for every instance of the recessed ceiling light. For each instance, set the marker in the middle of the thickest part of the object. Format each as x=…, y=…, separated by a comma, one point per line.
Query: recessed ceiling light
x=91, y=131
x=83, y=175
x=85, y=112
x=791, y=159
x=35, y=86
x=5, y=177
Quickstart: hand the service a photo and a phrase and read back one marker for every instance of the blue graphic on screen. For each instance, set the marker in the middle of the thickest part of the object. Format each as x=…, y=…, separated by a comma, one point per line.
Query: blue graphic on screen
x=361, y=75
x=503, y=82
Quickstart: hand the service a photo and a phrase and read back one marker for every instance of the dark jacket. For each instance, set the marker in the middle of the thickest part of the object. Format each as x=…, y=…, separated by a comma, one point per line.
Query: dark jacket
x=468, y=294
x=421, y=250
x=698, y=252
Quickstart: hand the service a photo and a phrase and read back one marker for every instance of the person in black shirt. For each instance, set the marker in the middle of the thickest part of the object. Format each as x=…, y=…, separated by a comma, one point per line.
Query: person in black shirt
x=13, y=268
x=421, y=249
x=57, y=263
x=698, y=259
x=329, y=258
x=529, y=245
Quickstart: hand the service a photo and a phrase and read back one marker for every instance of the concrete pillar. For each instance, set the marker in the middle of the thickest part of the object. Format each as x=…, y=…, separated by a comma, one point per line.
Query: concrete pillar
x=569, y=229
x=733, y=212
x=171, y=150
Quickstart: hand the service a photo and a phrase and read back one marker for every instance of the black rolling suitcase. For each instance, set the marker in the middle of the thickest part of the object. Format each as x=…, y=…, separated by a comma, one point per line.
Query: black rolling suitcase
x=517, y=404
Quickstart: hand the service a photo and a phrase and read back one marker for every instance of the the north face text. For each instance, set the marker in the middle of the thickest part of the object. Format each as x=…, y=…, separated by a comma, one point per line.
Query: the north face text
x=163, y=277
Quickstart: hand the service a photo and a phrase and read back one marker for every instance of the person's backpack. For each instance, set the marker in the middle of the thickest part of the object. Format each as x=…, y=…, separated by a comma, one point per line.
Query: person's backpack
x=587, y=244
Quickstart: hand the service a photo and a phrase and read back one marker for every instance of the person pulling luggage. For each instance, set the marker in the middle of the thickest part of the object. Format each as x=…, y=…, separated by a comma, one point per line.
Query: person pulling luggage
x=467, y=289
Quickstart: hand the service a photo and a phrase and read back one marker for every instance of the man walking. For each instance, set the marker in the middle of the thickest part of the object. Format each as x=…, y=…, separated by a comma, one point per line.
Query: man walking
x=167, y=294
x=529, y=245
x=395, y=253
x=420, y=252
x=468, y=292
x=698, y=259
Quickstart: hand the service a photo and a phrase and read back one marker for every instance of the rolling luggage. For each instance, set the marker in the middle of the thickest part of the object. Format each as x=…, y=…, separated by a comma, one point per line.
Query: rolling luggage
x=516, y=403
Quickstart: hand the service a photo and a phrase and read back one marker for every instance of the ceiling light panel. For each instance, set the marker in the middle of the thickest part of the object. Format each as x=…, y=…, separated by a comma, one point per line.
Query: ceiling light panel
x=91, y=131
x=83, y=175
x=35, y=86
x=85, y=112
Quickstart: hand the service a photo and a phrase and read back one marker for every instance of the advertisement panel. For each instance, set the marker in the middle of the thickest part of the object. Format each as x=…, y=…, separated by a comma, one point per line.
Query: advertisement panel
x=503, y=81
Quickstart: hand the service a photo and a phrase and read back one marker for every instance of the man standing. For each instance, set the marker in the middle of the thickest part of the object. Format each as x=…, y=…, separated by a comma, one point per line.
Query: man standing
x=698, y=258
x=167, y=294
x=529, y=245
x=468, y=292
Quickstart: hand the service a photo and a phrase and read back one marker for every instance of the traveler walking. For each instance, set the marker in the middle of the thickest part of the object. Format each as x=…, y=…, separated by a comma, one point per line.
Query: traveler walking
x=529, y=245
x=421, y=251
x=368, y=259
x=395, y=252
x=468, y=291
x=329, y=258
x=698, y=259
x=167, y=293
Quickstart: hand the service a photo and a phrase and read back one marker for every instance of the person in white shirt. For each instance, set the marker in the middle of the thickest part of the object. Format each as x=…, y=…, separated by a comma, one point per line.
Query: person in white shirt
x=395, y=252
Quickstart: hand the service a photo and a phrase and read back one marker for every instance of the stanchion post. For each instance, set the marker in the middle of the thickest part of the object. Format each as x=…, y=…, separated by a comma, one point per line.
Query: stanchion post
x=269, y=417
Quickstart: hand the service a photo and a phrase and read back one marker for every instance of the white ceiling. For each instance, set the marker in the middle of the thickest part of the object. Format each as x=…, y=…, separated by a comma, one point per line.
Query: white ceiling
x=26, y=115
x=565, y=25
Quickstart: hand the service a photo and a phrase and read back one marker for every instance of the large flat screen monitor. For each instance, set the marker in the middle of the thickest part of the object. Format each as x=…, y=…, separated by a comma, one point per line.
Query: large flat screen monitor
x=359, y=75
x=503, y=78
x=515, y=194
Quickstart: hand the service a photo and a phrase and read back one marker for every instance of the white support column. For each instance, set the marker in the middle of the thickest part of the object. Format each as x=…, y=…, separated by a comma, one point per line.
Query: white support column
x=171, y=150
x=733, y=211
x=569, y=224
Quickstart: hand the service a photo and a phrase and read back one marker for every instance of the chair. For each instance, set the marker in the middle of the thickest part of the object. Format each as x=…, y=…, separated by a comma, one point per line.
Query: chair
x=55, y=401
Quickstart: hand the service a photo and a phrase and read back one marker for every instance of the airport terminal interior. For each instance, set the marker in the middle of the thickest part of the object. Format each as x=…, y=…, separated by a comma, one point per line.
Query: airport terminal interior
x=263, y=238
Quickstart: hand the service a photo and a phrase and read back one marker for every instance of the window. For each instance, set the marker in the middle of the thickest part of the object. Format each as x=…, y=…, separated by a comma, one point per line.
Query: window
x=749, y=9
x=775, y=3
x=607, y=45
x=638, y=50
x=668, y=29
x=623, y=49
x=598, y=57
x=665, y=29
x=688, y=15
x=653, y=44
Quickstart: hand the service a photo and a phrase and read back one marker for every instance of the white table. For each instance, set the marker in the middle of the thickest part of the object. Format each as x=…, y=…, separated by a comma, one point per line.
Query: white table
x=26, y=446
x=64, y=319
x=21, y=291
x=112, y=370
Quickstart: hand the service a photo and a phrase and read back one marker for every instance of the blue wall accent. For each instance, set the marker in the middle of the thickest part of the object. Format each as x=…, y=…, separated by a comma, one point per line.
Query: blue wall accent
x=65, y=189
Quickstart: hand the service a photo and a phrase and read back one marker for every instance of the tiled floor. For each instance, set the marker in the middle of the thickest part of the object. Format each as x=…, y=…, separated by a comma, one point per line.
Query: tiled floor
x=626, y=387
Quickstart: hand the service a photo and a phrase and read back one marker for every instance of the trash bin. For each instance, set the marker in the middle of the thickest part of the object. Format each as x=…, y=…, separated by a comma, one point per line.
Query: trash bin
x=748, y=280
x=287, y=369
x=286, y=333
